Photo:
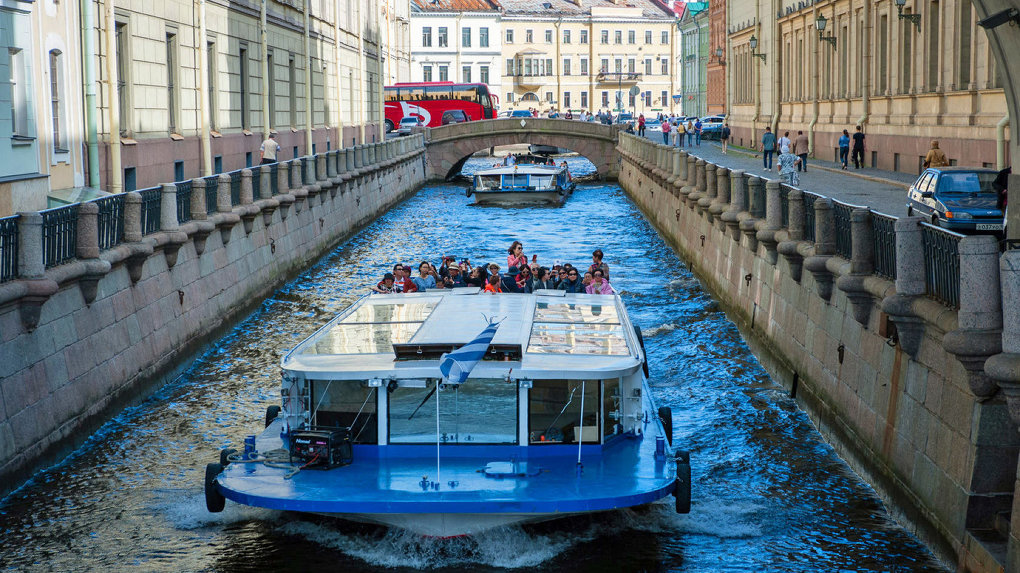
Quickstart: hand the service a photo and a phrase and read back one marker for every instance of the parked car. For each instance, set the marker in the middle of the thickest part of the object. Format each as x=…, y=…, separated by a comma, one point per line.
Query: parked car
x=653, y=125
x=711, y=126
x=957, y=198
x=623, y=118
x=454, y=116
x=408, y=124
x=520, y=113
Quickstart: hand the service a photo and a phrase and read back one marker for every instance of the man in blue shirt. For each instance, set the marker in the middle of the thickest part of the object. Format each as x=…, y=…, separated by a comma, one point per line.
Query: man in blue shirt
x=768, y=147
x=697, y=132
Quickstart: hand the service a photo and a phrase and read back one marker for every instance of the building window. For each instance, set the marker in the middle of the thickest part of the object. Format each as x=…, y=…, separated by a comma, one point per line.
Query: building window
x=123, y=63
x=548, y=67
x=648, y=98
x=566, y=36
x=648, y=66
x=605, y=36
x=618, y=65
x=56, y=91
x=509, y=36
x=243, y=56
x=426, y=36
x=584, y=100
x=618, y=37
x=566, y=66
x=663, y=97
x=605, y=66
x=465, y=74
x=483, y=37
x=584, y=37
x=631, y=66
x=465, y=37
x=665, y=37
x=665, y=67
x=529, y=37
x=271, y=83
x=605, y=99
x=510, y=97
x=171, y=81
x=483, y=74
x=442, y=37
x=548, y=36
x=883, y=52
x=934, y=47
x=631, y=37
x=292, y=89
x=426, y=73
x=549, y=97
x=19, y=103
x=906, y=56
x=584, y=66
x=444, y=73
x=566, y=100
x=631, y=102
x=648, y=36
x=509, y=66
x=210, y=52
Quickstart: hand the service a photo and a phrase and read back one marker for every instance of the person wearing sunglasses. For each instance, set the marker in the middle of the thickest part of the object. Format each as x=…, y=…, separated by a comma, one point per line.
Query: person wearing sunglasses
x=598, y=284
x=572, y=283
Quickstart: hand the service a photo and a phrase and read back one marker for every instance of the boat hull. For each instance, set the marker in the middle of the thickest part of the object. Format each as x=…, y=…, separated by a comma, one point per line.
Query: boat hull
x=447, y=524
x=554, y=197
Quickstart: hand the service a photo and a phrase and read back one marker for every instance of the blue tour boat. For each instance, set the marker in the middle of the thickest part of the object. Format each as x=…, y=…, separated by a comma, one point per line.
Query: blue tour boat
x=522, y=183
x=556, y=419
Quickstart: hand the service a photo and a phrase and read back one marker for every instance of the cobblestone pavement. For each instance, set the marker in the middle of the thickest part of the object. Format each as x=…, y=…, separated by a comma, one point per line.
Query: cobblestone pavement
x=883, y=191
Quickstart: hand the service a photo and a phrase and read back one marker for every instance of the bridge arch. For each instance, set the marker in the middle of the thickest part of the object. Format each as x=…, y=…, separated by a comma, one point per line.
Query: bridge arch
x=449, y=146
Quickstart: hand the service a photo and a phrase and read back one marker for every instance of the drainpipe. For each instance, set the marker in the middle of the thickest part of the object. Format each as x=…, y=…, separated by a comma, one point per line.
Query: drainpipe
x=1000, y=142
x=267, y=121
x=381, y=91
x=757, y=81
x=203, y=88
x=339, y=82
x=89, y=60
x=866, y=72
x=308, y=82
x=777, y=77
x=558, y=62
x=814, y=87
x=361, y=73
x=115, y=179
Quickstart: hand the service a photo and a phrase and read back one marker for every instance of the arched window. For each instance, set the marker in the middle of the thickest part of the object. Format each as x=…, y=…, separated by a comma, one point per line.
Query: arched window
x=530, y=96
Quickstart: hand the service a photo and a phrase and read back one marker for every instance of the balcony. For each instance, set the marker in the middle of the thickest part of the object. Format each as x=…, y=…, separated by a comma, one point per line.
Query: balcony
x=527, y=82
x=618, y=78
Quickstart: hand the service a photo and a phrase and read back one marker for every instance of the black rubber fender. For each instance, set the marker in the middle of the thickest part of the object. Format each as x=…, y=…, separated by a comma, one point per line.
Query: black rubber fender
x=271, y=413
x=214, y=500
x=666, y=415
x=682, y=485
x=644, y=355
x=225, y=456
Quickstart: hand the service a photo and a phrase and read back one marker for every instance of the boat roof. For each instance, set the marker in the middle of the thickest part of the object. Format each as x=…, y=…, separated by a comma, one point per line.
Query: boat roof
x=548, y=334
x=522, y=169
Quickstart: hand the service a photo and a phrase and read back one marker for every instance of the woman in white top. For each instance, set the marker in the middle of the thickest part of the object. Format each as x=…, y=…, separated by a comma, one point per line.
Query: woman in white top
x=784, y=143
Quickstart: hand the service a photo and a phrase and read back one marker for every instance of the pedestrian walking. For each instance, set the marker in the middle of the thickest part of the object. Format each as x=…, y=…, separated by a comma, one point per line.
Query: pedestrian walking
x=857, y=153
x=936, y=157
x=800, y=149
x=784, y=143
x=697, y=133
x=268, y=150
x=641, y=125
x=690, y=133
x=844, y=148
x=681, y=131
x=724, y=136
x=665, y=133
x=768, y=147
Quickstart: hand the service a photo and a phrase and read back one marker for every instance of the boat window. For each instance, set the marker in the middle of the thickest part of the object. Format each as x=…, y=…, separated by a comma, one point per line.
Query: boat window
x=346, y=404
x=480, y=411
x=363, y=338
x=568, y=312
x=489, y=182
x=596, y=339
x=554, y=411
x=542, y=181
x=391, y=312
x=517, y=180
x=612, y=407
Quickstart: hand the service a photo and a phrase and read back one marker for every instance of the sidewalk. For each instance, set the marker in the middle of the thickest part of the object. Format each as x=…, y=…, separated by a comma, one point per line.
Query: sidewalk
x=882, y=191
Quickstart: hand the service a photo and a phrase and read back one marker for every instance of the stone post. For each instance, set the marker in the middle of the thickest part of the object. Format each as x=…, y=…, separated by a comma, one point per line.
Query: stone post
x=308, y=178
x=722, y=196
x=297, y=188
x=331, y=167
x=133, y=217
x=224, y=208
x=909, y=284
x=862, y=265
x=320, y=167
x=265, y=182
x=168, y=224
x=690, y=182
x=738, y=193
x=756, y=205
x=699, y=184
x=87, y=246
x=349, y=163
x=248, y=209
x=359, y=156
x=1004, y=368
x=773, y=221
x=979, y=332
x=674, y=169
x=32, y=268
x=825, y=247
x=790, y=248
x=198, y=205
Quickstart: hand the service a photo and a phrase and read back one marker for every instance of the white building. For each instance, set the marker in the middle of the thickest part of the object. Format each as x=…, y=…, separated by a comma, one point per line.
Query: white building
x=456, y=41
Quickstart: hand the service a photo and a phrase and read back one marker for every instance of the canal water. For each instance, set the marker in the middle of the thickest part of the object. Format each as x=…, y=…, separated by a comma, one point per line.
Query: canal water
x=769, y=494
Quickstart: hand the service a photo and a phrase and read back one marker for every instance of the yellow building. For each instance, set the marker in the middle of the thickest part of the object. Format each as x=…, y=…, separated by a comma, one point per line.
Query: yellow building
x=587, y=55
x=928, y=75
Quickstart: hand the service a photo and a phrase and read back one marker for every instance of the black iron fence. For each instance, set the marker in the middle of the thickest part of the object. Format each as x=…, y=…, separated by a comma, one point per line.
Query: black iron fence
x=809, y=216
x=211, y=184
x=235, y=187
x=844, y=238
x=60, y=234
x=256, y=182
x=8, y=248
x=883, y=231
x=183, y=201
x=274, y=179
x=757, y=194
x=152, y=207
x=110, y=222
x=784, y=202
x=941, y=264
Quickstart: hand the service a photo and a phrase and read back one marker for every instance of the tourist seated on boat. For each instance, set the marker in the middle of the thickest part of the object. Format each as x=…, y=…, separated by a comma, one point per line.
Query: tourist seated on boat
x=477, y=277
x=508, y=281
x=561, y=276
x=523, y=279
x=587, y=278
x=385, y=286
x=597, y=263
x=599, y=284
x=453, y=278
x=403, y=282
x=571, y=283
x=541, y=280
x=426, y=278
x=515, y=255
x=492, y=285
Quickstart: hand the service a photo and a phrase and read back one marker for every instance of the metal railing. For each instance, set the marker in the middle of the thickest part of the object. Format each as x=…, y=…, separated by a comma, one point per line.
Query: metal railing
x=941, y=264
x=110, y=222
x=757, y=197
x=212, y=182
x=60, y=234
x=235, y=187
x=883, y=231
x=784, y=203
x=256, y=182
x=8, y=248
x=274, y=179
x=809, y=216
x=841, y=220
x=183, y=201
x=152, y=207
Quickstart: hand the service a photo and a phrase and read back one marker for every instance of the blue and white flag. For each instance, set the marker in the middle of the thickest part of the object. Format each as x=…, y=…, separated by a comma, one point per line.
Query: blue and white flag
x=457, y=365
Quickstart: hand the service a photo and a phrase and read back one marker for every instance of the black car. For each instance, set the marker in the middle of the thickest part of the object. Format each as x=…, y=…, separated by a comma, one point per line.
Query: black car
x=957, y=198
x=454, y=116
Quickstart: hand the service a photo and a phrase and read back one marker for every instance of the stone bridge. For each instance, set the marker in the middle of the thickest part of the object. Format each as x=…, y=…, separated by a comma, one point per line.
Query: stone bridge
x=449, y=146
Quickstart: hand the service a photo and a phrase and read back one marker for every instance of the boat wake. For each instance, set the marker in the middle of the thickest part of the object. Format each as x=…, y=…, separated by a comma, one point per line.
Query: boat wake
x=188, y=512
x=661, y=329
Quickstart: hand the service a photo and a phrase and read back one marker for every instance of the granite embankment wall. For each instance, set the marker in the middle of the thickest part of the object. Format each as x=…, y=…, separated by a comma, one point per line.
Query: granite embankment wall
x=85, y=333
x=880, y=327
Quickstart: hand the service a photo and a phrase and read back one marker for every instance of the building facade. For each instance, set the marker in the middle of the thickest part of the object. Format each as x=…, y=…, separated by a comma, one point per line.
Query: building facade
x=579, y=55
x=693, y=59
x=457, y=41
x=906, y=81
x=715, y=68
x=41, y=111
x=186, y=87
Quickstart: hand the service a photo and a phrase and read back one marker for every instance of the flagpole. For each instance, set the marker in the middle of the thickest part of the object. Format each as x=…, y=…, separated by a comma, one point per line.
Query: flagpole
x=439, y=479
x=580, y=425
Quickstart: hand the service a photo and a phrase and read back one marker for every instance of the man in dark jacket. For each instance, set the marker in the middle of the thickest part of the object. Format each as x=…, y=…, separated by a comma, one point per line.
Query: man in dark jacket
x=573, y=284
x=507, y=282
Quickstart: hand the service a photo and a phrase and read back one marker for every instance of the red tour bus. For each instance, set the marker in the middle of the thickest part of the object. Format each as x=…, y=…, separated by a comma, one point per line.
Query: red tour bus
x=429, y=100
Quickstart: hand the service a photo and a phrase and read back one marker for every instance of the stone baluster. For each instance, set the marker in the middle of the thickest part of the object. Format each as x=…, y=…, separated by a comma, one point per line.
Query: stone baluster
x=87, y=250
x=674, y=169
x=308, y=179
x=225, y=208
x=266, y=201
x=349, y=163
x=297, y=188
x=690, y=184
x=133, y=236
x=756, y=205
x=979, y=333
x=722, y=196
x=773, y=221
x=1004, y=368
x=32, y=268
x=738, y=194
x=248, y=209
x=681, y=179
x=168, y=224
x=322, y=178
x=862, y=265
x=284, y=194
x=825, y=247
x=199, y=215
x=699, y=184
x=359, y=157
x=910, y=284
x=790, y=248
